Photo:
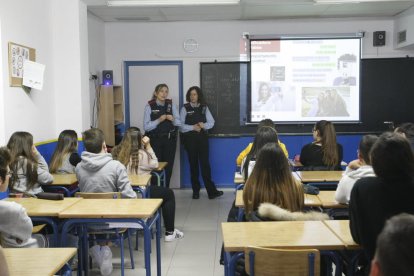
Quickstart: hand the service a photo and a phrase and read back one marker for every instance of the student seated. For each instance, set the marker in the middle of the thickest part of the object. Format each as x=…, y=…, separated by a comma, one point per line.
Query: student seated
x=30, y=169
x=136, y=153
x=376, y=199
x=407, y=131
x=395, y=247
x=323, y=154
x=268, y=123
x=65, y=157
x=356, y=169
x=15, y=226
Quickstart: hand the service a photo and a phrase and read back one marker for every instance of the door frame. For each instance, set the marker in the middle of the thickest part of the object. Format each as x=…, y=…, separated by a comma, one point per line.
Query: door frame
x=128, y=64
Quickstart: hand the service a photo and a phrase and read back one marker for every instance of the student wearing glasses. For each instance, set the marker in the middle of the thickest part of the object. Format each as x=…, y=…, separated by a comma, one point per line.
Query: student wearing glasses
x=324, y=153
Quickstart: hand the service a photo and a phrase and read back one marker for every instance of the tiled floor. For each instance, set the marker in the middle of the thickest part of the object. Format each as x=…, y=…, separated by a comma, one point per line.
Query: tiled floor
x=198, y=252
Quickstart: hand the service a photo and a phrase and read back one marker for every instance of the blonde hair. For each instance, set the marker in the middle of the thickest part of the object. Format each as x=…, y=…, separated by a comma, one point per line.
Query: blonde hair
x=271, y=181
x=67, y=144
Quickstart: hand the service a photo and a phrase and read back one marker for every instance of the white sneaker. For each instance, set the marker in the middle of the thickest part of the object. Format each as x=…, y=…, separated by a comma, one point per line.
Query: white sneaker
x=176, y=235
x=95, y=252
x=106, y=265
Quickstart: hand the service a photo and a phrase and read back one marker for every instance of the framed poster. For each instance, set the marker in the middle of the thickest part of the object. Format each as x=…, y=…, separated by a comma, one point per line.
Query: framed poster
x=17, y=54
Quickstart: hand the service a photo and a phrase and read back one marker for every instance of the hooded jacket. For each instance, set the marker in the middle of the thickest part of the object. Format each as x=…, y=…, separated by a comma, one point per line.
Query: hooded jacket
x=15, y=226
x=274, y=212
x=99, y=173
x=345, y=185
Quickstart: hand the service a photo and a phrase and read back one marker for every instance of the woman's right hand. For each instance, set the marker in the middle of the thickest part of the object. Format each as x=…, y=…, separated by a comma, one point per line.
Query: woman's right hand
x=162, y=118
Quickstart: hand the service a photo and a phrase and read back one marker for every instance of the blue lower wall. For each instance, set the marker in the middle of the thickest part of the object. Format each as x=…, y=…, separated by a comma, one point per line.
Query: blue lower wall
x=224, y=151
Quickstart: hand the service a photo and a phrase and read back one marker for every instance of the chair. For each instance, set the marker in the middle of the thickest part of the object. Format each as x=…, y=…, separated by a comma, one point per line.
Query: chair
x=119, y=233
x=270, y=262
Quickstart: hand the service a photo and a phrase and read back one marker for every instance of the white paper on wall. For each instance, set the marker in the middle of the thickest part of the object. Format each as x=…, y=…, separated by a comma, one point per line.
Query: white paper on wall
x=33, y=74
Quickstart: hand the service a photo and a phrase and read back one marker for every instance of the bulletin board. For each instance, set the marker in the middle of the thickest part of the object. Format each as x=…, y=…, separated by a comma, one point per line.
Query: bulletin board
x=17, y=55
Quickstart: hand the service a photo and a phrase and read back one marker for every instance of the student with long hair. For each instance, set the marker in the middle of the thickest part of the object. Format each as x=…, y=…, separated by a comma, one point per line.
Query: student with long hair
x=263, y=136
x=324, y=153
x=65, y=153
x=271, y=181
x=161, y=118
x=196, y=120
x=376, y=199
x=136, y=153
x=30, y=169
x=356, y=169
x=267, y=123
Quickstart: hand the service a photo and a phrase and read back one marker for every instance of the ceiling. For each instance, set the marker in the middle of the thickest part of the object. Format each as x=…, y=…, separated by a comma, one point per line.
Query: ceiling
x=247, y=10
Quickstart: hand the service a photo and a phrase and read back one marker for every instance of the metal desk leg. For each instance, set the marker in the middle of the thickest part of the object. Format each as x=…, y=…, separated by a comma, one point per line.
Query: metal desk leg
x=52, y=223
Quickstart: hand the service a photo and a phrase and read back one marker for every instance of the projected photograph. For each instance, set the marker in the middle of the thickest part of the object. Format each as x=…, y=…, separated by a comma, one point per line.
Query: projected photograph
x=325, y=101
x=307, y=79
x=271, y=97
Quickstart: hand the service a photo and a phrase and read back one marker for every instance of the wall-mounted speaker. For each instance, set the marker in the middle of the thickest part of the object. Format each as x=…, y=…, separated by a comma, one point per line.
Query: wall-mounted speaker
x=107, y=77
x=379, y=38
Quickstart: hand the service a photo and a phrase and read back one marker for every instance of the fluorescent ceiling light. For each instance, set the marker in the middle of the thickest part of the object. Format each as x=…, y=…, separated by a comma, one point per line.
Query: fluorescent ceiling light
x=355, y=1
x=140, y=3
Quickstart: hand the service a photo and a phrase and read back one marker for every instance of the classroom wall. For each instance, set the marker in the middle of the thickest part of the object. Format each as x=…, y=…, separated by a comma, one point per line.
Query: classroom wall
x=57, y=30
x=96, y=45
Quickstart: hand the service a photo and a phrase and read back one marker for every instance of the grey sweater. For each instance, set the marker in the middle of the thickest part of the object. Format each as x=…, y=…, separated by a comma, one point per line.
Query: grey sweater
x=43, y=176
x=99, y=173
x=15, y=226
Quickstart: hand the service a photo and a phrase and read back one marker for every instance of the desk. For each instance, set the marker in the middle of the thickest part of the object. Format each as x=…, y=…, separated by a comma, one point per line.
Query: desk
x=327, y=199
x=37, y=261
x=61, y=183
x=139, y=182
x=142, y=211
x=281, y=235
x=341, y=229
x=160, y=173
x=42, y=210
x=319, y=176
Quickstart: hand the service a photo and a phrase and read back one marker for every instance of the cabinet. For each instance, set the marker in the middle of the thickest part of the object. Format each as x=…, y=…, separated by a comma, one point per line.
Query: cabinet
x=110, y=110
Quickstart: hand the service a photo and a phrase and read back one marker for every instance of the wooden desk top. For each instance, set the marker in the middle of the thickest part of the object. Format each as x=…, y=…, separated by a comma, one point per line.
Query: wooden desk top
x=161, y=166
x=112, y=208
x=64, y=179
x=319, y=176
x=327, y=199
x=238, y=178
x=139, y=179
x=310, y=200
x=341, y=229
x=279, y=234
x=37, y=261
x=41, y=207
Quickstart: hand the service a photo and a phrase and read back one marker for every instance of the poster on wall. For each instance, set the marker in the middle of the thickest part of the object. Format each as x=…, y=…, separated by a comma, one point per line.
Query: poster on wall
x=17, y=56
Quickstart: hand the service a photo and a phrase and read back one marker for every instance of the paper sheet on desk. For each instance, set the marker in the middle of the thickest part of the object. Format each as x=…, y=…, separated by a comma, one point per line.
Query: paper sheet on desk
x=33, y=73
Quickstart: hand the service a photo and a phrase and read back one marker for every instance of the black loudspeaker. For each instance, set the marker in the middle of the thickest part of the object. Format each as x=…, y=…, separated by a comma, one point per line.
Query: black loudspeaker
x=379, y=38
x=107, y=77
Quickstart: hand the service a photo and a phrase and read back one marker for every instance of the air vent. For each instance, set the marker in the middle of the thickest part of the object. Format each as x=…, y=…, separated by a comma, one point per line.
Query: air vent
x=402, y=36
x=132, y=18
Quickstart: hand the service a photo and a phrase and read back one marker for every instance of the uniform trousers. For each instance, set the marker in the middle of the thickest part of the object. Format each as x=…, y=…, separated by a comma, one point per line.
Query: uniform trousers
x=164, y=148
x=167, y=206
x=196, y=145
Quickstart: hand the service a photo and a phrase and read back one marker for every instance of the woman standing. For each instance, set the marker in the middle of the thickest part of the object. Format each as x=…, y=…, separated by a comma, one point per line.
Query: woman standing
x=160, y=121
x=323, y=153
x=196, y=121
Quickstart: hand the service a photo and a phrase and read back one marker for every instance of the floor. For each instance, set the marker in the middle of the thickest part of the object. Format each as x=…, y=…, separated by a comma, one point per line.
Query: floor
x=198, y=252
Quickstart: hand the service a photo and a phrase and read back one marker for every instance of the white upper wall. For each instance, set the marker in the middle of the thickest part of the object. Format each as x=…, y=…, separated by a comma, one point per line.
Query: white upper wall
x=221, y=40
x=53, y=29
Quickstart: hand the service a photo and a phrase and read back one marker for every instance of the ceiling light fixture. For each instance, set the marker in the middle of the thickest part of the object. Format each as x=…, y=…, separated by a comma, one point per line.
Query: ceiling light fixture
x=140, y=3
x=355, y=1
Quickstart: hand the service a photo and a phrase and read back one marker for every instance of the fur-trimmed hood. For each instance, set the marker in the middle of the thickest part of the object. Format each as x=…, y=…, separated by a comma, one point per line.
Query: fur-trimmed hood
x=273, y=212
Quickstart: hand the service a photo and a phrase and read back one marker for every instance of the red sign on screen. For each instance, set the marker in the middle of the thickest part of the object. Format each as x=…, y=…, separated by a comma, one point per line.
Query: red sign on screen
x=265, y=46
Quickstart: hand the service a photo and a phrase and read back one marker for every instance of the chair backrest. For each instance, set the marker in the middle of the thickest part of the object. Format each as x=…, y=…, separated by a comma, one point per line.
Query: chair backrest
x=262, y=261
x=111, y=195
